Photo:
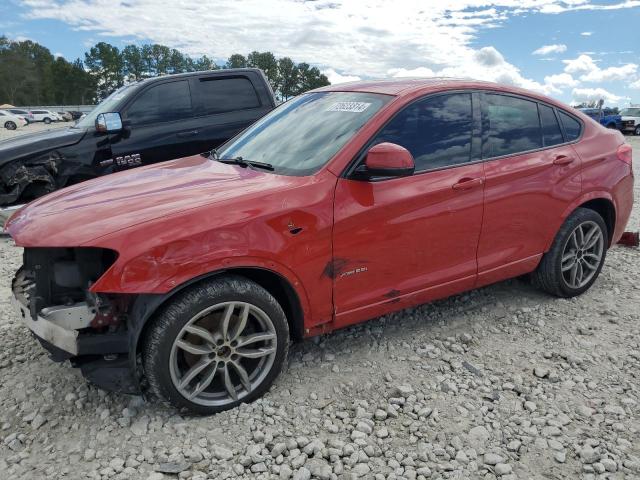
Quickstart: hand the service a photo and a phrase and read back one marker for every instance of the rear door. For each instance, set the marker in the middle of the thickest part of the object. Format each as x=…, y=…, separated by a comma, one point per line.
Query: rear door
x=532, y=173
x=404, y=241
x=159, y=124
x=225, y=105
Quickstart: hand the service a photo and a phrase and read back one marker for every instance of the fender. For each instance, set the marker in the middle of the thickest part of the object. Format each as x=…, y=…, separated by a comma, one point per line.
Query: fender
x=584, y=198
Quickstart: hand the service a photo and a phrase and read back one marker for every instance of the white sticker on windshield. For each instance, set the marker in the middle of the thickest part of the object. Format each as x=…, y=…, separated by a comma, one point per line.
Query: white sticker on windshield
x=354, y=107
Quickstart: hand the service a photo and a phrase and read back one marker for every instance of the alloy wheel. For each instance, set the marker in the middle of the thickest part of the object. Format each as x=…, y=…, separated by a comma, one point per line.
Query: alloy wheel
x=223, y=353
x=10, y=126
x=582, y=254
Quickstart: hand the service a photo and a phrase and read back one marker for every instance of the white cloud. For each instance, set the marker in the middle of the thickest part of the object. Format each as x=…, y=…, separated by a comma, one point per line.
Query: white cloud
x=58, y=55
x=589, y=71
x=415, y=72
x=561, y=80
x=635, y=85
x=586, y=34
x=548, y=49
x=335, y=77
x=344, y=39
x=594, y=94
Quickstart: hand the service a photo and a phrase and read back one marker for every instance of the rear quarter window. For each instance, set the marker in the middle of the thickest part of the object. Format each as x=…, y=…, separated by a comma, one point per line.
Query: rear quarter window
x=219, y=95
x=514, y=126
x=572, y=127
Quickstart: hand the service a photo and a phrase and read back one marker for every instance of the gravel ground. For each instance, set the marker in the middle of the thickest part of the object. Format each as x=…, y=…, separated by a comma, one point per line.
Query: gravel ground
x=32, y=127
x=503, y=382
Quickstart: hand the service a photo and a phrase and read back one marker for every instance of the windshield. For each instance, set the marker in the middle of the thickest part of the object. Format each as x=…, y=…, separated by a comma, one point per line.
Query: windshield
x=105, y=106
x=303, y=134
x=631, y=112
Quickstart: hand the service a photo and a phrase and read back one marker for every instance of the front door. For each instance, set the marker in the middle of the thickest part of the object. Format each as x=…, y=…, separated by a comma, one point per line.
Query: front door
x=403, y=241
x=159, y=125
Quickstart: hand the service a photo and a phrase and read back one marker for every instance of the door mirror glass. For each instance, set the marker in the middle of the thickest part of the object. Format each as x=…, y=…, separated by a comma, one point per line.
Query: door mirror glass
x=109, y=122
x=388, y=160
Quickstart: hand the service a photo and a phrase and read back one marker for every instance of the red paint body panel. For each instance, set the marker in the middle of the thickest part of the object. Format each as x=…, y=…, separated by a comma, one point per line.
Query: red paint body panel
x=364, y=248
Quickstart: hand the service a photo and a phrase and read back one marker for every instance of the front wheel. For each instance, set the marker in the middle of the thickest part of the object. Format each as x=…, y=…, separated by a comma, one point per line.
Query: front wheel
x=637, y=131
x=216, y=345
x=10, y=125
x=47, y=120
x=576, y=256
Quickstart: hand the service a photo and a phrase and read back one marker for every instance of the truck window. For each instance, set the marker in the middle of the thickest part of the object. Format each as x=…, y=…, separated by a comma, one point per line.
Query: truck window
x=161, y=103
x=218, y=95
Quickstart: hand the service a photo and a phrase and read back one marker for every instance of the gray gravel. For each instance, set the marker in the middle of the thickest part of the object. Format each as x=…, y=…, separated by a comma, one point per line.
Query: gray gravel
x=503, y=382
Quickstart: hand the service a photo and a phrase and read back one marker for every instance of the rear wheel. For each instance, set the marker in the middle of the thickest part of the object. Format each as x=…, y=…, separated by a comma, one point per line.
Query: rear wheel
x=576, y=257
x=10, y=125
x=47, y=120
x=637, y=131
x=216, y=345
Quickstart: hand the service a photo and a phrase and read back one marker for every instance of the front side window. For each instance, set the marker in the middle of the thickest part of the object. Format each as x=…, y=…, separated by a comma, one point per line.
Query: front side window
x=220, y=95
x=551, y=133
x=514, y=126
x=571, y=126
x=162, y=103
x=630, y=112
x=303, y=134
x=436, y=130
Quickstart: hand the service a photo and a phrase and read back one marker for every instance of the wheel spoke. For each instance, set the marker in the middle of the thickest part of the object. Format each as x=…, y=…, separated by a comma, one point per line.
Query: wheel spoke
x=228, y=384
x=203, y=363
x=573, y=273
x=195, y=349
x=580, y=274
x=244, y=376
x=205, y=382
x=256, y=337
x=202, y=333
x=591, y=266
x=569, y=266
x=568, y=256
x=242, y=322
x=255, y=352
x=592, y=242
x=579, y=236
x=587, y=238
x=572, y=239
x=226, y=318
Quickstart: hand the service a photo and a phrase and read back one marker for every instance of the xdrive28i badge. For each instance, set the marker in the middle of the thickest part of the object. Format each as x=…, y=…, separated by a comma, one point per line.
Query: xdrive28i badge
x=133, y=160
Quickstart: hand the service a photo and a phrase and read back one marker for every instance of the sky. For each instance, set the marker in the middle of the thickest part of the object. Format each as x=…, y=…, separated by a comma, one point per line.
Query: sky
x=573, y=50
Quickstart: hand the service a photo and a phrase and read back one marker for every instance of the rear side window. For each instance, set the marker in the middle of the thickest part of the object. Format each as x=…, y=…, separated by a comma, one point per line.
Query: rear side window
x=162, y=103
x=514, y=126
x=39, y=112
x=551, y=133
x=437, y=131
x=571, y=126
x=218, y=95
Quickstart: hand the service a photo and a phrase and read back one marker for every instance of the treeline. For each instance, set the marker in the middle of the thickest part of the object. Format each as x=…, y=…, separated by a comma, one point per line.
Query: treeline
x=31, y=75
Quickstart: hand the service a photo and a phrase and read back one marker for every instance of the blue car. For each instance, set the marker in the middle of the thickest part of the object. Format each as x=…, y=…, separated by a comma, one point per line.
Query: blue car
x=602, y=116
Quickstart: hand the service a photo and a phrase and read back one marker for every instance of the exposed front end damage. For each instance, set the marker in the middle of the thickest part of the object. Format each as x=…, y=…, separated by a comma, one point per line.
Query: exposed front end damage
x=51, y=294
x=24, y=180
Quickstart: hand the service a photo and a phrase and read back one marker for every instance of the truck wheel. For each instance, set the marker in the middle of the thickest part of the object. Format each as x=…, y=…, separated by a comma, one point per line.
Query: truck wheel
x=10, y=125
x=576, y=256
x=47, y=120
x=637, y=131
x=612, y=126
x=216, y=345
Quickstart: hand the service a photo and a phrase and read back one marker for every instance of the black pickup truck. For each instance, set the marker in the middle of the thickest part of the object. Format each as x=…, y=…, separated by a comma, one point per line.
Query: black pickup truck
x=145, y=122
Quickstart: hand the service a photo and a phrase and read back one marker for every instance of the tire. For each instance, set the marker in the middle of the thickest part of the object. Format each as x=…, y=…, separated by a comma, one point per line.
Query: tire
x=185, y=352
x=47, y=120
x=10, y=125
x=612, y=126
x=550, y=276
x=637, y=130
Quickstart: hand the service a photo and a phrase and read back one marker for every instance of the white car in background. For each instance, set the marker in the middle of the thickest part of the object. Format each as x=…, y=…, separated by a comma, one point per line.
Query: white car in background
x=11, y=121
x=631, y=120
x=46, y=116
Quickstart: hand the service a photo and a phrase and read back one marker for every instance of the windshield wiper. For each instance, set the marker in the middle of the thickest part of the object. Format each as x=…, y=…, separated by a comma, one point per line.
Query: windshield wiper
x=245, y=163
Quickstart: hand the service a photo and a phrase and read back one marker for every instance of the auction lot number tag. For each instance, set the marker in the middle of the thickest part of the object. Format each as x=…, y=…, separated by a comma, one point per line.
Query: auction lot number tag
x=353, y=107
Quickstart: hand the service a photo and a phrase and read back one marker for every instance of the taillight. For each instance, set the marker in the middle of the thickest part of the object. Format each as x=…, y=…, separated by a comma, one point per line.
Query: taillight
x=625, y=154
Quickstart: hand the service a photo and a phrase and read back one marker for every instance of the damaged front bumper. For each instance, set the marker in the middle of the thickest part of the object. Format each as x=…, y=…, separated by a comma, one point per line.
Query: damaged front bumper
x=6, y=213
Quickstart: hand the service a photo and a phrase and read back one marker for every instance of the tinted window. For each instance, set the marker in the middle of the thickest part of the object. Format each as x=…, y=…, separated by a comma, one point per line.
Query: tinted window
x=39, y=112
x=513, y=126
x=226, y=94
x=162, y=103
x=437, y=131
x=571, y=126
x=551, y=133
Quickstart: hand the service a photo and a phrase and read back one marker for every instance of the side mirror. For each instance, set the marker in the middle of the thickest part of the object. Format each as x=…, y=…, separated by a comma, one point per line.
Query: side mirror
x=108, y=122
x=387, y=160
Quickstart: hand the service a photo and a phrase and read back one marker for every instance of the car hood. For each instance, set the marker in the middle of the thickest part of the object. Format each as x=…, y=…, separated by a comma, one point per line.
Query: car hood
x=37, y=142
x=81, y=213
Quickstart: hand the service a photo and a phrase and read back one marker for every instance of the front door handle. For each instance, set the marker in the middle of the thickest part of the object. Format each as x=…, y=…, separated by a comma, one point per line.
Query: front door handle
x=467, y=183
x=191, y=133
x=562, y=160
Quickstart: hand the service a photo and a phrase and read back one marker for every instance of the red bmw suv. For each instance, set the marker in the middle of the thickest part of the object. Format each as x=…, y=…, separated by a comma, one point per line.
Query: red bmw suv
x=187, y=279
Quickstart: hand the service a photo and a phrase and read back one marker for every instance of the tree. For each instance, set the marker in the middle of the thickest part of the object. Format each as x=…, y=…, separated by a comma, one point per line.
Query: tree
x=266, y=62
x=236, y=61
x=287, y=79
x=204, y=63
x=106, y=64
x=135, y=67
x=309, y=78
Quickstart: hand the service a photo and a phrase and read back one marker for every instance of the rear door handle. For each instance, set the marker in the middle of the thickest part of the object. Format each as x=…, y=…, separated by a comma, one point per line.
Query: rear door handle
x=191, y=133
x=562, y=160
x=467, y=183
